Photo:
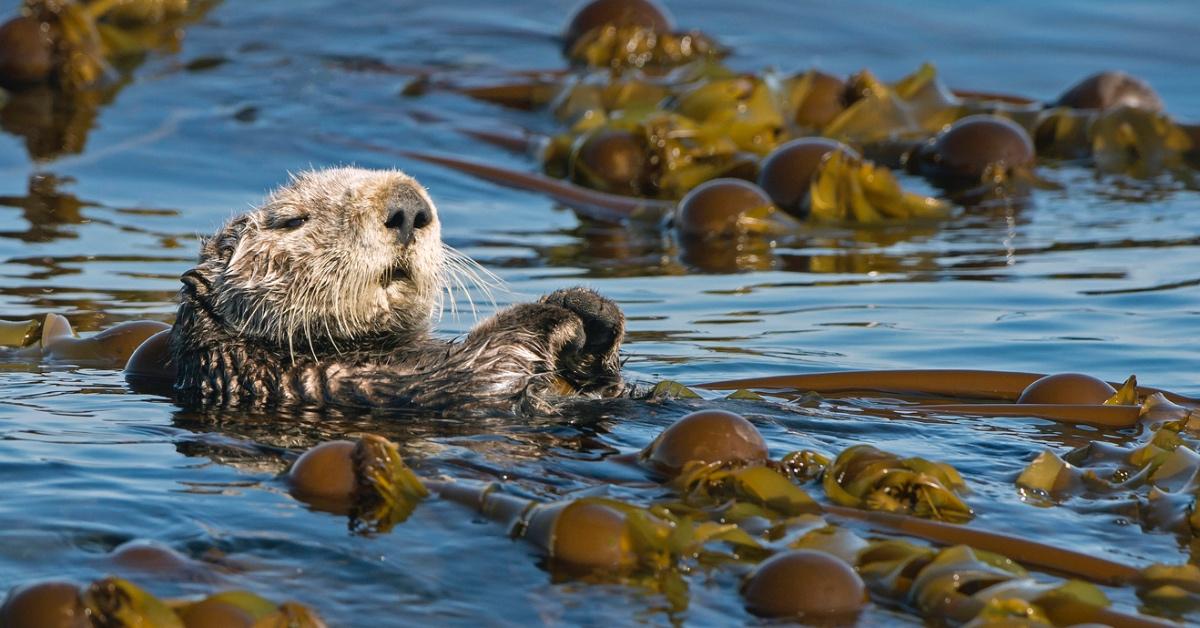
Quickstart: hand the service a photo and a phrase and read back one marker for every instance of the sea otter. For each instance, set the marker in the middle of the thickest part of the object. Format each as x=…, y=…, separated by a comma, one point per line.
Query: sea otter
x=325, y=294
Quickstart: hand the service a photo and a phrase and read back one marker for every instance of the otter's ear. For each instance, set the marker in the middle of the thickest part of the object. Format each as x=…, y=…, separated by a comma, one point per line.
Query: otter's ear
x=195, y=282
x=224, y=244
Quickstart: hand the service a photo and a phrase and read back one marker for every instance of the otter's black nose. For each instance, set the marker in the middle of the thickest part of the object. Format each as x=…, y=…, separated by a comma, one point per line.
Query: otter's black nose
x=406, y=218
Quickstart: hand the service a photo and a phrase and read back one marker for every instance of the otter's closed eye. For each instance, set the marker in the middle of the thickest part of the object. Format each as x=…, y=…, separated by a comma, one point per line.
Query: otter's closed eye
x=291, y=223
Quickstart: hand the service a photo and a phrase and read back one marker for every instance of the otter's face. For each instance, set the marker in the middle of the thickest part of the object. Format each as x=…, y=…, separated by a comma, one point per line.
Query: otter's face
x=333, y=257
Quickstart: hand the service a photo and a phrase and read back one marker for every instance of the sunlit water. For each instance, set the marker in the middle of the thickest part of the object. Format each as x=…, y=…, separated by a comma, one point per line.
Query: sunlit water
x=1098, y=277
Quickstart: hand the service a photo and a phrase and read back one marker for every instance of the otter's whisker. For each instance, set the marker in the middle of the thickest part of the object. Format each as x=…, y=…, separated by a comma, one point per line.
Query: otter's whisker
x=291, y=350
x=308, y=336
x=455, y=274
x=464, y=269
x=329, y=334
x=483, y=278
x=440, y=304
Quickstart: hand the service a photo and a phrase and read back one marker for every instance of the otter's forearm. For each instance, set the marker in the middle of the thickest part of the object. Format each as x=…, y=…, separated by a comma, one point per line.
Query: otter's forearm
x=573, y=333
x=539, y=332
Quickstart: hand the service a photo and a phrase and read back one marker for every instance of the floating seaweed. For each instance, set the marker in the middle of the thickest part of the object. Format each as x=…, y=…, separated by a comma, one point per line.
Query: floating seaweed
x=865, y=477
x=366, y=479
x=118, y=602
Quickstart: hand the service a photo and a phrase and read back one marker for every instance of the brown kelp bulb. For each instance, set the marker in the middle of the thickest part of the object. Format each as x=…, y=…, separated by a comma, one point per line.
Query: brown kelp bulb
x=610, y=160
x=151, y=557
x=1111, y=89
x=215, y=613
x=111, y=347
x=788, y=171
x=325, y=472
x=706, y=436
x=823, y=102
x=972, y=146
x=44, y=605
x=585, y=534
x=715, y=207
x=1067, y=388
x=26, y=52
x=807, y=584
x=152, y=359
x=644, y=13
x=122, y=339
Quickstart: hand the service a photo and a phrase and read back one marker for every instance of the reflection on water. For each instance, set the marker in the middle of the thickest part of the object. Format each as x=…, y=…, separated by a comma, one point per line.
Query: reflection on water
x=1086, y=272
x=52, y=123
x=46, y=209
x=55, y=115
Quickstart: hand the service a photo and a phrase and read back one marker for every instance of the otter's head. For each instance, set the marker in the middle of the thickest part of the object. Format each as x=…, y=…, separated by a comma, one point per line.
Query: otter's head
x=334, y=257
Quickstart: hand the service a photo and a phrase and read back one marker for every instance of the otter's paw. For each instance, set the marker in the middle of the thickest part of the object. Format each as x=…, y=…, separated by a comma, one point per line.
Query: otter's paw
x=595, y=367
x=603, y=322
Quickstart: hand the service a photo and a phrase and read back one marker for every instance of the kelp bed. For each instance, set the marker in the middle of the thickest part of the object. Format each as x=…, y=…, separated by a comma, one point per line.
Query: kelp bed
x=913, y=233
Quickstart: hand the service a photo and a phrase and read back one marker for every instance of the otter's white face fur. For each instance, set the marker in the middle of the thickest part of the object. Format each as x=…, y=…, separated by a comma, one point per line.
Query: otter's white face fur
x=333, y=257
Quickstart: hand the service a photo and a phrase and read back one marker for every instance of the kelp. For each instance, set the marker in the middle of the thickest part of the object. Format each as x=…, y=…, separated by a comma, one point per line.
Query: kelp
x=601, y=539
x=848, y=189
x=650, y=545
x=589, y=101
x=742, y=394
x=707, y=485
x=704, y=436
x=803, y=466
x=890, y=566
x=963, y=584
x=118, y=602
x=679, y=152
x=683, y=154
x=58, y=342
x=912, y=108
x=741, y=108
x=17, y=333
x=959, y=570
x=89, y=49
x=965, y=383
x=1164, y=462
x=1126, y=395
x=1173, y=588
x=1009, y=612
x=865, y=477
x=1022, y=550
x=591, y=203
x=88, y=36
x=1123, y=140
x=621, y=47
x=80, y=59
x=1048, y=478
x=832, y=539
x=387, y=490
x=657, y=539
x=138, y=12
x=810, y=100
x=670, y=389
